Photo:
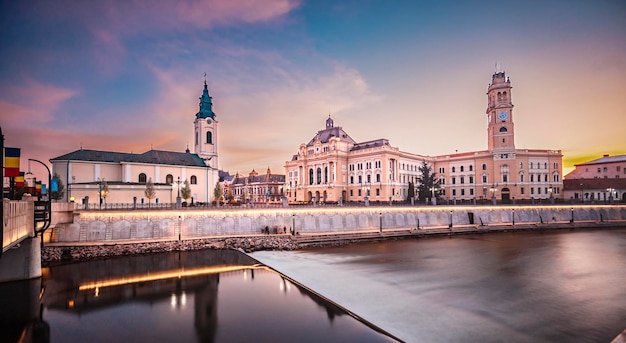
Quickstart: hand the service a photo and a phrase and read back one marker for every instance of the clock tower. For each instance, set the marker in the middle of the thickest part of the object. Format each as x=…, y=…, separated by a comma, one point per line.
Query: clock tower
x=205, y=130
x=500, y=129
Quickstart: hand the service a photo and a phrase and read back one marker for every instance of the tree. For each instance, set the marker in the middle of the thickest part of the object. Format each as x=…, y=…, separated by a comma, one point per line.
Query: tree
x=426, y=179
x=410, y=192
x=150, y=193
x=58, y=195
x=185, y=191
x=217, y=191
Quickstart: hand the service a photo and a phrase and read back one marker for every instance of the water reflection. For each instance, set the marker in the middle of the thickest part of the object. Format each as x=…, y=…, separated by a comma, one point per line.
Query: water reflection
x=221, y=296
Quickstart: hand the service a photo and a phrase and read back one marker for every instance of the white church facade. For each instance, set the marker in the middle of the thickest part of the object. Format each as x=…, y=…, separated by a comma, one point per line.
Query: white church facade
x=108, y=177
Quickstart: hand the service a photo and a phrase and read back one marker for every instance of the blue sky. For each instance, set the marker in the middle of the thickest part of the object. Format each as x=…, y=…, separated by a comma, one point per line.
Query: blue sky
x=126, y=75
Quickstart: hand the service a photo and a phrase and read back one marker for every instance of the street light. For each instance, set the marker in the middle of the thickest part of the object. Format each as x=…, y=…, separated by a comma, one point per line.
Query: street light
x=611, y=191
x=48, y=204
x=493, y=190
x=178, y=200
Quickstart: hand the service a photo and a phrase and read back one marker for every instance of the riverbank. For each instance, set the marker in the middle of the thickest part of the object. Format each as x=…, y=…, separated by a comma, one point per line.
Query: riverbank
x=62, y=253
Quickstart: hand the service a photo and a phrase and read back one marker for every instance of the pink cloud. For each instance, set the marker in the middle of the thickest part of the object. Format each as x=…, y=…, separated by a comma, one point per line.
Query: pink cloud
x=31, y=103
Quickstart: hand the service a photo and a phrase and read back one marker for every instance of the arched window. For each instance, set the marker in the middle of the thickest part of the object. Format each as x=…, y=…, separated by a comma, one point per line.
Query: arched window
x=503, y=129
x=209, y=137
x=197, y=138
x=311, y=176
x=484, y=166
x=326, y=174
x=319, y=175
x=453, y=169
x=471, y=167
x=169, y=179
x=461, y=168
x=193, y=180
x=142, y=178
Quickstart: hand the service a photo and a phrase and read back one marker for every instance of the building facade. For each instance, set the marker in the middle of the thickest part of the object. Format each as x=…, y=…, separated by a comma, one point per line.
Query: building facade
x=116, y=177
x=266, y=188
x=332, y=167
x=599, y=180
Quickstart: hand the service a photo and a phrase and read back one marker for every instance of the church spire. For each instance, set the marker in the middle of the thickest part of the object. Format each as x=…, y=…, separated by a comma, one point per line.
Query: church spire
x=206, y=105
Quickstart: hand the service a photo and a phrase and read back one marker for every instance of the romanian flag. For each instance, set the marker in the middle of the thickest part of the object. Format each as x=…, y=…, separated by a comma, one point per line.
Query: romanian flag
x=19, y=180
x=11, y=162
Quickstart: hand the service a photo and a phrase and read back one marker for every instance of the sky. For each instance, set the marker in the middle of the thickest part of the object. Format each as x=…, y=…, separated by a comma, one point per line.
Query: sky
x=126, y=75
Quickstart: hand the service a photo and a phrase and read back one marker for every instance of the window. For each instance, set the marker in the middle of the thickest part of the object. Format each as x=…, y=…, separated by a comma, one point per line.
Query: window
x=319, y=175
x=369, y=178
x=471, y=179
x=194, y=180
x=209, y=137
x=441, y=170
x=471, y=168
x=462, y=179
x=532, y=177
x=471, y=191
x=359, y=192
x=196, y=138
x=503, y=129
x=169, y=179
x=377, y=191
x=462, y=191
x=454, y=180
x=311, y=176
x=461, y=168
x=377, y=177
x=454, y=192
x=532, y=190
x=326, y=174
x=484, y=166
x=521, y=165
x=505, y=178
x=351, y=193
x=545, y=178
x=521, y=190
x=142, y=178
x=484, y=178
x=360, y=179
x=521, y=177
x=453, y=169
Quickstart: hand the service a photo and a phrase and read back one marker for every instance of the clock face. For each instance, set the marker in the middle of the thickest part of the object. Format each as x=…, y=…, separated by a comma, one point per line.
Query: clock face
x=502, y=115
x=208, y=121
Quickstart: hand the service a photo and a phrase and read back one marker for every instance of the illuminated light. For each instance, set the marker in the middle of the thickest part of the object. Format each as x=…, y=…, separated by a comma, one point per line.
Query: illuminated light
x=70, y=304
x=245, y=275
x=173, y=300
x=166, y=275
x=183, y=299
x=282, y=286
x=97, y=292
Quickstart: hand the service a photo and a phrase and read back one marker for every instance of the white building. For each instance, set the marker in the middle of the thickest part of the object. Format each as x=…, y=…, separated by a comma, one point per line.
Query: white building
x=85, y=172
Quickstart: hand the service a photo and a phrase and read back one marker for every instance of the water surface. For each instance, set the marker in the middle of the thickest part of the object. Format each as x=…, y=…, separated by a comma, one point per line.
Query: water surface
x=567, y=286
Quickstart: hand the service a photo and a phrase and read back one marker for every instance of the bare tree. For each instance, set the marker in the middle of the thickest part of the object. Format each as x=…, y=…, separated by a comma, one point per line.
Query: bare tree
x=150, y=193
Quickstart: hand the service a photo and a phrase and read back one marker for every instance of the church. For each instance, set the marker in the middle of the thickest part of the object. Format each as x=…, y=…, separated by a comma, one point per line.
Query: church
x=107, y=177
x=333, y=167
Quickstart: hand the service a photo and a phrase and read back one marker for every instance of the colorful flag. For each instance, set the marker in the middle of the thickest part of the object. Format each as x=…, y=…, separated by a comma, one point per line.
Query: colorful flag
x=19, y=180
x=11, y=162
x=38, y=187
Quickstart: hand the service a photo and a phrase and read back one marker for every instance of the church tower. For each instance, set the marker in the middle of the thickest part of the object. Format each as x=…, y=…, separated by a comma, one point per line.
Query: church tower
x=205, y=130
x=500, y=128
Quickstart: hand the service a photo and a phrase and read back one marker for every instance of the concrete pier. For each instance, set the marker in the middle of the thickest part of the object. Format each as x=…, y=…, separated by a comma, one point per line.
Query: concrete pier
x=22, y=262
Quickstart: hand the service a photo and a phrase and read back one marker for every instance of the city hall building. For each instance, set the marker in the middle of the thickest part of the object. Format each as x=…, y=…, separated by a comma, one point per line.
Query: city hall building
x=126, y=175
x=333, y=167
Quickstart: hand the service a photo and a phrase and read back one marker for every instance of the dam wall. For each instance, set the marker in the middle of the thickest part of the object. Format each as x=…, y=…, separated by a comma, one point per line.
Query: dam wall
x=128, y=226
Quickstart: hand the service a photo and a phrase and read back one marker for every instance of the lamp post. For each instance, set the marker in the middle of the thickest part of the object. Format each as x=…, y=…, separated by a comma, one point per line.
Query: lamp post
x=178, y=200
x=611, y=191
x=48, y=204
x=433, y=199
x=493, y=190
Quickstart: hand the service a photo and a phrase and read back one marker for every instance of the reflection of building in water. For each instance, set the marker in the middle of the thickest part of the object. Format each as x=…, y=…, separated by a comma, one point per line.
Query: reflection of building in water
x=205, y=309
x=179, y=280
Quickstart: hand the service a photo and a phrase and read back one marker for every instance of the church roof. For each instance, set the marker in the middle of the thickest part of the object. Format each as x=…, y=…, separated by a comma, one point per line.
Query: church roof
x=149, y=157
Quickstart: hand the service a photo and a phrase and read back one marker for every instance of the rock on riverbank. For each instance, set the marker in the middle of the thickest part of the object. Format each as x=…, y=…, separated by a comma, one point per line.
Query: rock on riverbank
x=53, y=255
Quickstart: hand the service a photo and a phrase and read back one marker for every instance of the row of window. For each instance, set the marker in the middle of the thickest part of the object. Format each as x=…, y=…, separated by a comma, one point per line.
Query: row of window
x=546, y=190
x=521, y=166
x=169, y=178
x=368, y=165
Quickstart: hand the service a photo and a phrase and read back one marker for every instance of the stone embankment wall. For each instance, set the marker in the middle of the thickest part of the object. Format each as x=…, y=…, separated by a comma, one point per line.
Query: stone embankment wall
x=131, y=226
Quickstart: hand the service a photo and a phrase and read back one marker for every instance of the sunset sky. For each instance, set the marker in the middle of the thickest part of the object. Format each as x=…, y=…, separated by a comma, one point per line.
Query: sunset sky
x=126, y=75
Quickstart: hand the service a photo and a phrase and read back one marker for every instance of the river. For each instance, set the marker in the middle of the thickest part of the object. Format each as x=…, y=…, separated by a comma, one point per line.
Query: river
x=566, y=286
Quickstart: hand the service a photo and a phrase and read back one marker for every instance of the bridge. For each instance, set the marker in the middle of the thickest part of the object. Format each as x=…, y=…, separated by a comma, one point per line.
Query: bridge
x=21, y=251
